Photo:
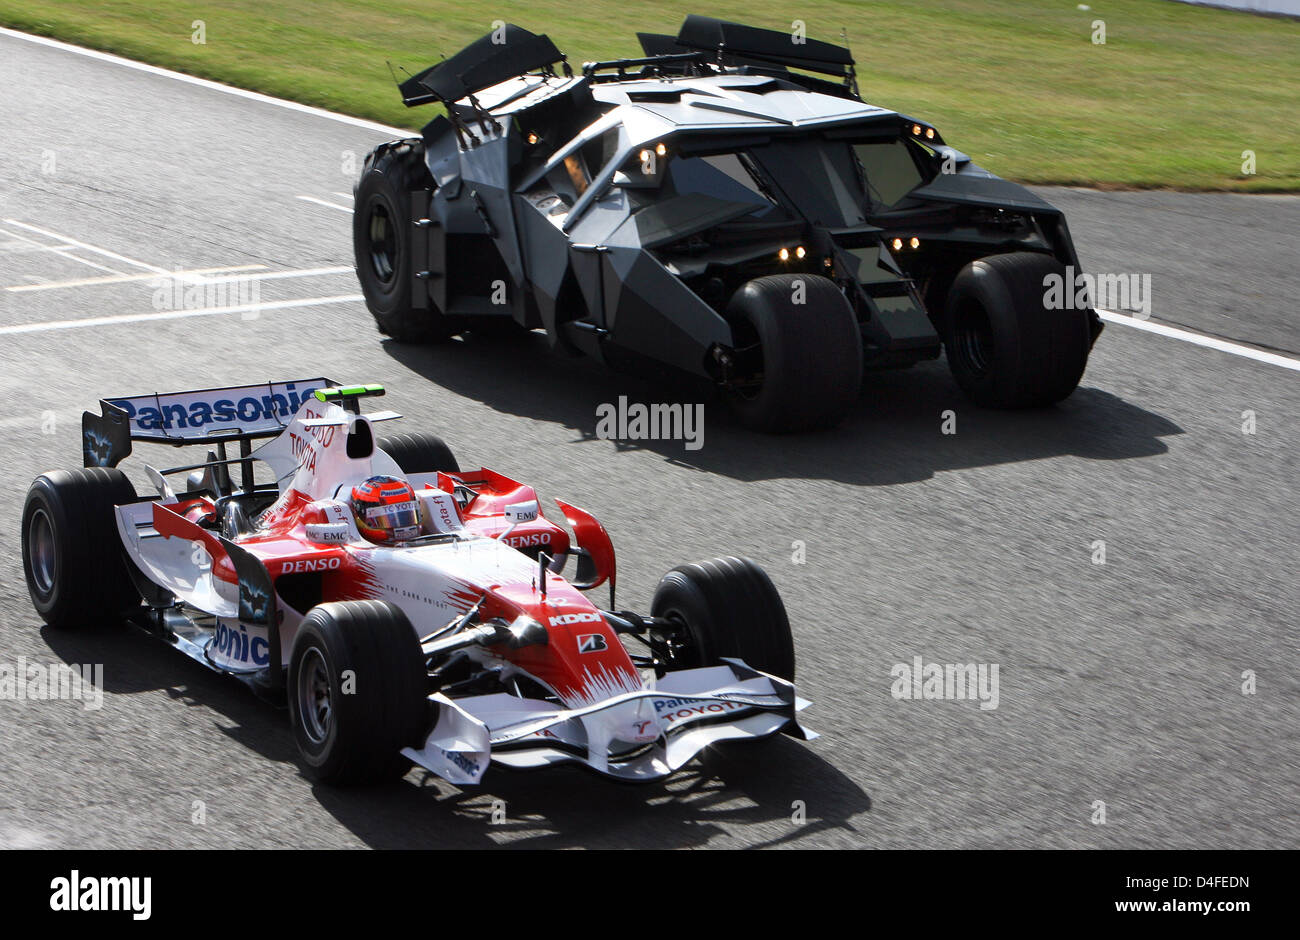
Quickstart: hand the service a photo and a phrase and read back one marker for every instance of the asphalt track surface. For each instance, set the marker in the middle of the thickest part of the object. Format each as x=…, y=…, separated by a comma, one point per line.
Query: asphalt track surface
x=1119, y=682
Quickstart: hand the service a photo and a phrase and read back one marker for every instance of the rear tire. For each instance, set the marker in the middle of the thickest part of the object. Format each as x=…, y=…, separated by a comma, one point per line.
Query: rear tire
x=382, y=242
x=357, y=737
x=420, y=453
x=811, y=353
x=1006, y=348
x=726, y=607
x=76, y=568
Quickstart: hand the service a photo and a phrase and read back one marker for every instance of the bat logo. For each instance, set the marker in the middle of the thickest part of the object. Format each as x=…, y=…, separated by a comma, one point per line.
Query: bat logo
x=97, y=448
x=254, y=603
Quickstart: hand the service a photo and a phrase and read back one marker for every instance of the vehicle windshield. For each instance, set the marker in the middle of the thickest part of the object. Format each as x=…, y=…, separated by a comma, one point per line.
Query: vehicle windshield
x=779, y=179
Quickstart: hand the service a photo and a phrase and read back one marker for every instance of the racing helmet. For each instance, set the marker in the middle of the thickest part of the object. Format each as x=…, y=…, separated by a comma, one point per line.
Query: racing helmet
x=387, y=510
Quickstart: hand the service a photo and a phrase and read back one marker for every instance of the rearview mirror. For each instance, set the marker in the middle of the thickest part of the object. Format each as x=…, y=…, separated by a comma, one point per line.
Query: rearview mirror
x=518, y=513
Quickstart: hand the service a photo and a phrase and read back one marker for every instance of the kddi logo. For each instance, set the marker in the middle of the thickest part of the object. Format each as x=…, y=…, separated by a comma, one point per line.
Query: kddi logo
x=76, y=893
x=563, y=620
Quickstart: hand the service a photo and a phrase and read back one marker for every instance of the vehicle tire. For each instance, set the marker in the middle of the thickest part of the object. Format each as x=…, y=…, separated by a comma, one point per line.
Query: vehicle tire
x=1006, y=348
x=810, y=353
x=76, y=568
x=726, y=607
x=419, y=453
x=356, y=737
x=382, y=242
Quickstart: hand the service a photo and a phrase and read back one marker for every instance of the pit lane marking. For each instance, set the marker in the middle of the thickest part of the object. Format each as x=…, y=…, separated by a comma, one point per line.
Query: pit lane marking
x=60, y=249
x=113, y=255
x=177, y=314
x=190, y=275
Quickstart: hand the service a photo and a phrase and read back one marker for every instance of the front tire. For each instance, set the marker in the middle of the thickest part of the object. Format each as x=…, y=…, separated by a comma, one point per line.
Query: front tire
x=725, y=607
x=76, y=568
x=382, y=242
x=807, y=370
x=1005, y=346
x=357, y=688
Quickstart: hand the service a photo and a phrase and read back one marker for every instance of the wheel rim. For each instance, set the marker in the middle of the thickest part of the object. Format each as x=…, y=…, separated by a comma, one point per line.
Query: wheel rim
x=315, y=697
x=975, y=338
x=41, y=552
x=383, y=243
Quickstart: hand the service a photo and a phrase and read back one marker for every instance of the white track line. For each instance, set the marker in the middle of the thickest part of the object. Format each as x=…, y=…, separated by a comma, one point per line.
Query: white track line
x=1200, y=339
x=1172, y=332
x=322, y=202
x=191, y=275
x=61, y=249
x=176, y=314
x=295, y=272
x=347, y=196
x=17, y=248
x=205, y=83
x=99, y=251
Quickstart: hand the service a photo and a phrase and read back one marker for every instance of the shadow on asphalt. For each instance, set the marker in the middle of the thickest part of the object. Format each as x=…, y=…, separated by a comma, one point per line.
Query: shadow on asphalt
x=893, y=436
x=136, y=662
x=735, y=784
x=732, y=785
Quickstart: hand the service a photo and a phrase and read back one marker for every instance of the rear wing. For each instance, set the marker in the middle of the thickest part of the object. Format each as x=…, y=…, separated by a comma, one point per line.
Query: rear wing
x=504, y=53
x=764, y=45
x=205, y=416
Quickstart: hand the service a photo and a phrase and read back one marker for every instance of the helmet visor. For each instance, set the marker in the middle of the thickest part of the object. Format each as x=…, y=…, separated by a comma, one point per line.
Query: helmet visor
x=400, y=519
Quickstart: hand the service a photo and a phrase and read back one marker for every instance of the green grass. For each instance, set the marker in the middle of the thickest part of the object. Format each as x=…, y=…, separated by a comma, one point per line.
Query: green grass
x=1170, y=101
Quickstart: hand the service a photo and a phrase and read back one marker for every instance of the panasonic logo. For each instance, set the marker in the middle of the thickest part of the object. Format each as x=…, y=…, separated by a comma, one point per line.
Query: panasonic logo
x=195, y=411
x=310, y=564
x=566, y=619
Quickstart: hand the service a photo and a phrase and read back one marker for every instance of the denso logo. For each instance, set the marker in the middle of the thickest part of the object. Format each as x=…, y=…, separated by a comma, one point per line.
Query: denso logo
x=527, y=541
x=310, y=564
x=566, y=619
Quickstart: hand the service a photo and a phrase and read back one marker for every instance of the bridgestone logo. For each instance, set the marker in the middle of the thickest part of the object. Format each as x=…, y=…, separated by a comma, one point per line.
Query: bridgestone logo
x=592, y=643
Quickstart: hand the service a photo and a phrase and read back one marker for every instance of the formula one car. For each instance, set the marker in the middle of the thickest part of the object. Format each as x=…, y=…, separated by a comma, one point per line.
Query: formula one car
x=719, y=207
x=408, y=610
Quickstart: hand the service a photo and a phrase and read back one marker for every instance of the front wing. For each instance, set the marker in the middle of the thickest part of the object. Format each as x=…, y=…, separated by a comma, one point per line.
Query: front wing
x=635, y=736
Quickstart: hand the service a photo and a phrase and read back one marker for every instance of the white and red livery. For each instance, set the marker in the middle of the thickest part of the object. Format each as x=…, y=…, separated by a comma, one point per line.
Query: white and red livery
x=461, y=645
